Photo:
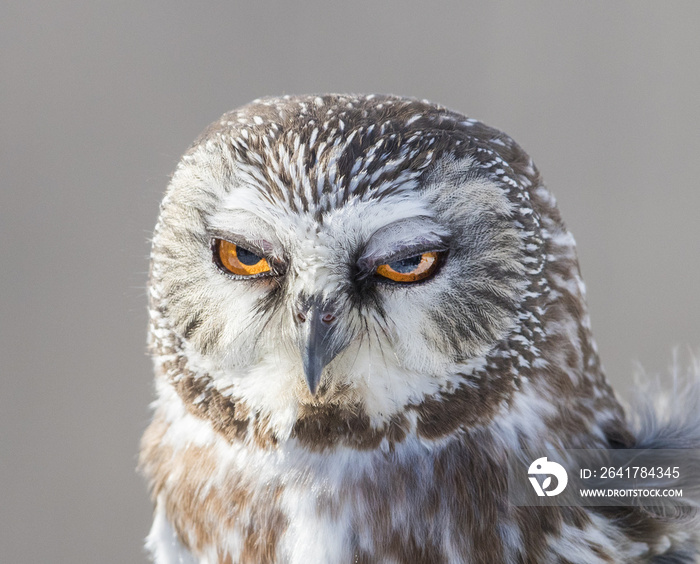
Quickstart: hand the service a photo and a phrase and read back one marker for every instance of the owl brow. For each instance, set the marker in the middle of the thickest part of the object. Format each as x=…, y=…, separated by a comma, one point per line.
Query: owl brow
x=403, y=239
x=247, y=224
x=252, y=243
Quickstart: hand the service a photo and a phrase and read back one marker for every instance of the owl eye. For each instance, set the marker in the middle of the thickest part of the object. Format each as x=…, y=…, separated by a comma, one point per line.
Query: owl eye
x=411, y=269
x=237, y=260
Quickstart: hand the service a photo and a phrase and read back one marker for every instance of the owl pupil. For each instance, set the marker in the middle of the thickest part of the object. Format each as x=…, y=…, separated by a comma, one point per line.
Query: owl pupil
x=406, y=265
x=246, y=257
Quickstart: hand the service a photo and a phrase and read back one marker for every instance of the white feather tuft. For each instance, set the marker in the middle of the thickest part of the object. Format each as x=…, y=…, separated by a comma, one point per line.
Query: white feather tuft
x=665, y=413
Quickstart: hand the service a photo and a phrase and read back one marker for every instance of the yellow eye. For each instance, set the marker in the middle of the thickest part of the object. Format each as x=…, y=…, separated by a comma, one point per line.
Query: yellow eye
x=411, y=269
x=238, y=260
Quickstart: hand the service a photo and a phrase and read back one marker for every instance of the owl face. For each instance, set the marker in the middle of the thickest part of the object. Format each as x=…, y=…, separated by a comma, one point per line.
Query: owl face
x=300, y=262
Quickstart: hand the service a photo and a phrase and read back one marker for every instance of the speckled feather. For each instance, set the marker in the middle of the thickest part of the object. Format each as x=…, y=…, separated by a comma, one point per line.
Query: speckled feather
x=399, y=457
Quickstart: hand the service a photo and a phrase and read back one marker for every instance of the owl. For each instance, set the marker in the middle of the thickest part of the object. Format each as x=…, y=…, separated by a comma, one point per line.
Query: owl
x=359, y=305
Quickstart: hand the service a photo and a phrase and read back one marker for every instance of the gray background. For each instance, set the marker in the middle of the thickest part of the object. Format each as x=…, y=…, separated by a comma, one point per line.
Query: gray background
x=98, y=100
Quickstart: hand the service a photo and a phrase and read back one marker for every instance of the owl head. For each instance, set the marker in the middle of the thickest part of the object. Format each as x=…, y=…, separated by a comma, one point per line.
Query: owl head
x=375, y=256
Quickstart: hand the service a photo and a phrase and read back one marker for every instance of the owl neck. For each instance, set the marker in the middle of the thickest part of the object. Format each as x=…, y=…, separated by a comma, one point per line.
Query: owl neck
x=543, y=408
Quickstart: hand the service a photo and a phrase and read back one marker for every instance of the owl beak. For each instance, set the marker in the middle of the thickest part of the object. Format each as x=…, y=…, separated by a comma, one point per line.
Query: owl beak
x=319, y=343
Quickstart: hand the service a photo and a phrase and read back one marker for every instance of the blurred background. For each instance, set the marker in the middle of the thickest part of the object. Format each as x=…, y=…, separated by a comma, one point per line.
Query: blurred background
x=99, y=99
